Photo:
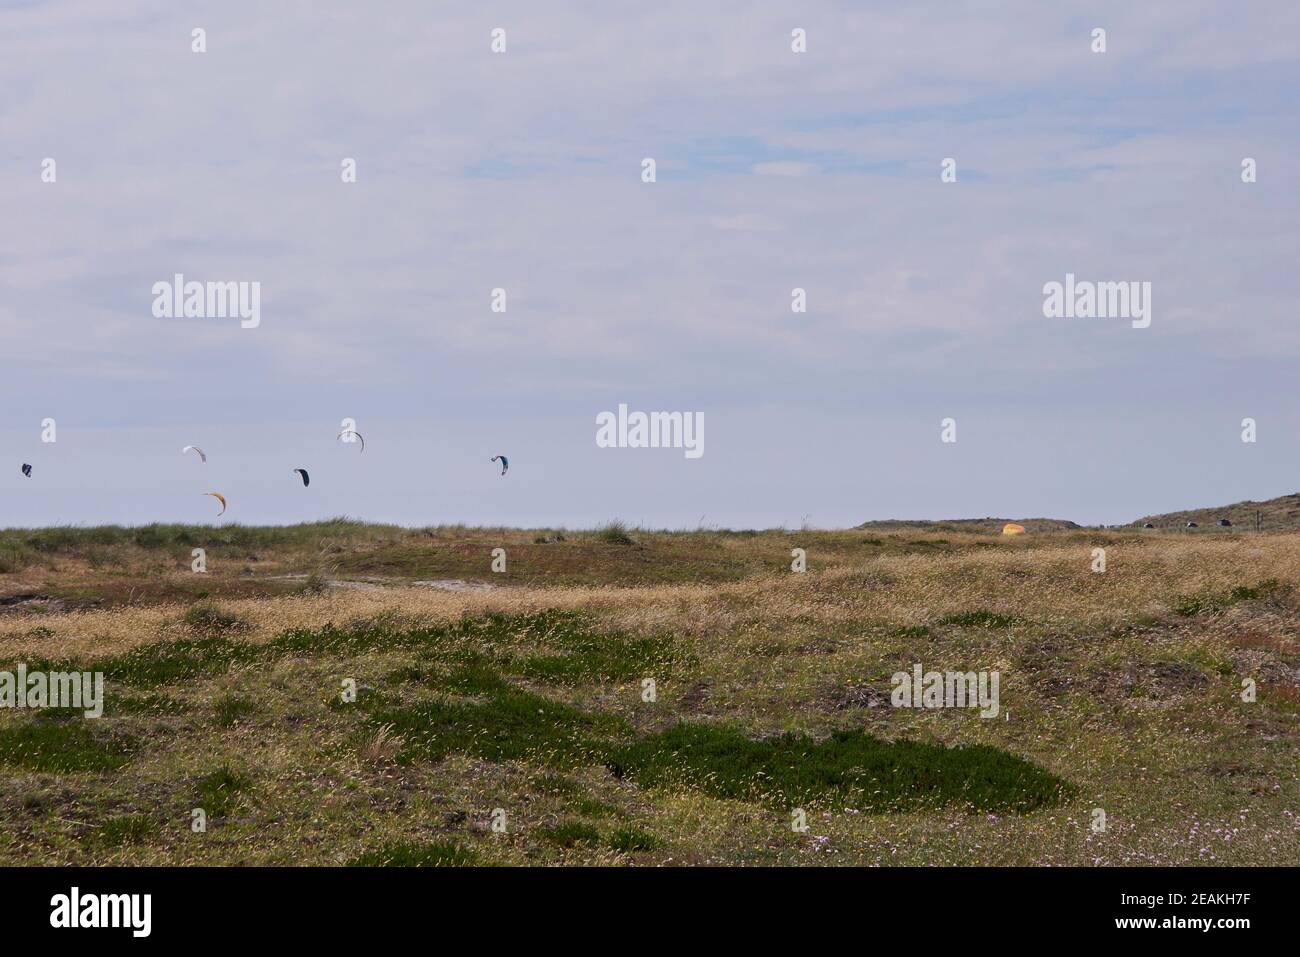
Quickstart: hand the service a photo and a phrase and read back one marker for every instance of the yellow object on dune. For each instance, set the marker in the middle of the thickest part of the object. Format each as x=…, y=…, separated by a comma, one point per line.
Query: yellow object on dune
x=1011, y=528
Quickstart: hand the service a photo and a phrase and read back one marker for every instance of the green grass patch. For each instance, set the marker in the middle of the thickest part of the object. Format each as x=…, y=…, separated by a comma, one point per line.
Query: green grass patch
x=510, y=725
x=184, y=659
x=850, y=768
x=481, y=647
x=477, y=646
x=62, y=745
x=630, y=840
x=126, y=829
x=602, y=657
x=229, y=710
x=591, y=807
x=570, y=834
x=219, y=792
x=388, y=632
x=417, y=854
x=476, y=678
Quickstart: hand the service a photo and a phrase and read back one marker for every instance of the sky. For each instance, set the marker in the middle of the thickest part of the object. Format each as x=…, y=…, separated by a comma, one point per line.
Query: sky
x=523, y=170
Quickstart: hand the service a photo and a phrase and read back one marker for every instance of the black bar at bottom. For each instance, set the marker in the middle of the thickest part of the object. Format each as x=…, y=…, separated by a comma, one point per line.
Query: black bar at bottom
x=332, y=905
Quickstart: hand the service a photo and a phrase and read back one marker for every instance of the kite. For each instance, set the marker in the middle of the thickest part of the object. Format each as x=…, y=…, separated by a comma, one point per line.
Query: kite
x=505, y=463
x=306, y=479
x=1011, y=528
x=195, y=448
x=356, y=433
x=220, y=498
x=27, y=470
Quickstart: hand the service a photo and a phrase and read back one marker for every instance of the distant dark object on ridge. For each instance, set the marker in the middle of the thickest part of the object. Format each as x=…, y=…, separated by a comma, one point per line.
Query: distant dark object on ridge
x=1191, y=524
x=1279, y=514
x=1148, y=525
x=1224, y=523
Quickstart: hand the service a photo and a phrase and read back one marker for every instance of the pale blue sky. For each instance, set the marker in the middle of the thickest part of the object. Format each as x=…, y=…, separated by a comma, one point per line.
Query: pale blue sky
x=522, y=171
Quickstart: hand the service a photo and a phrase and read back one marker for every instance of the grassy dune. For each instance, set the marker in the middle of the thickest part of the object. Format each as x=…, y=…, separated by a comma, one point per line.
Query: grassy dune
x=520, y=697
x=1282, y=512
